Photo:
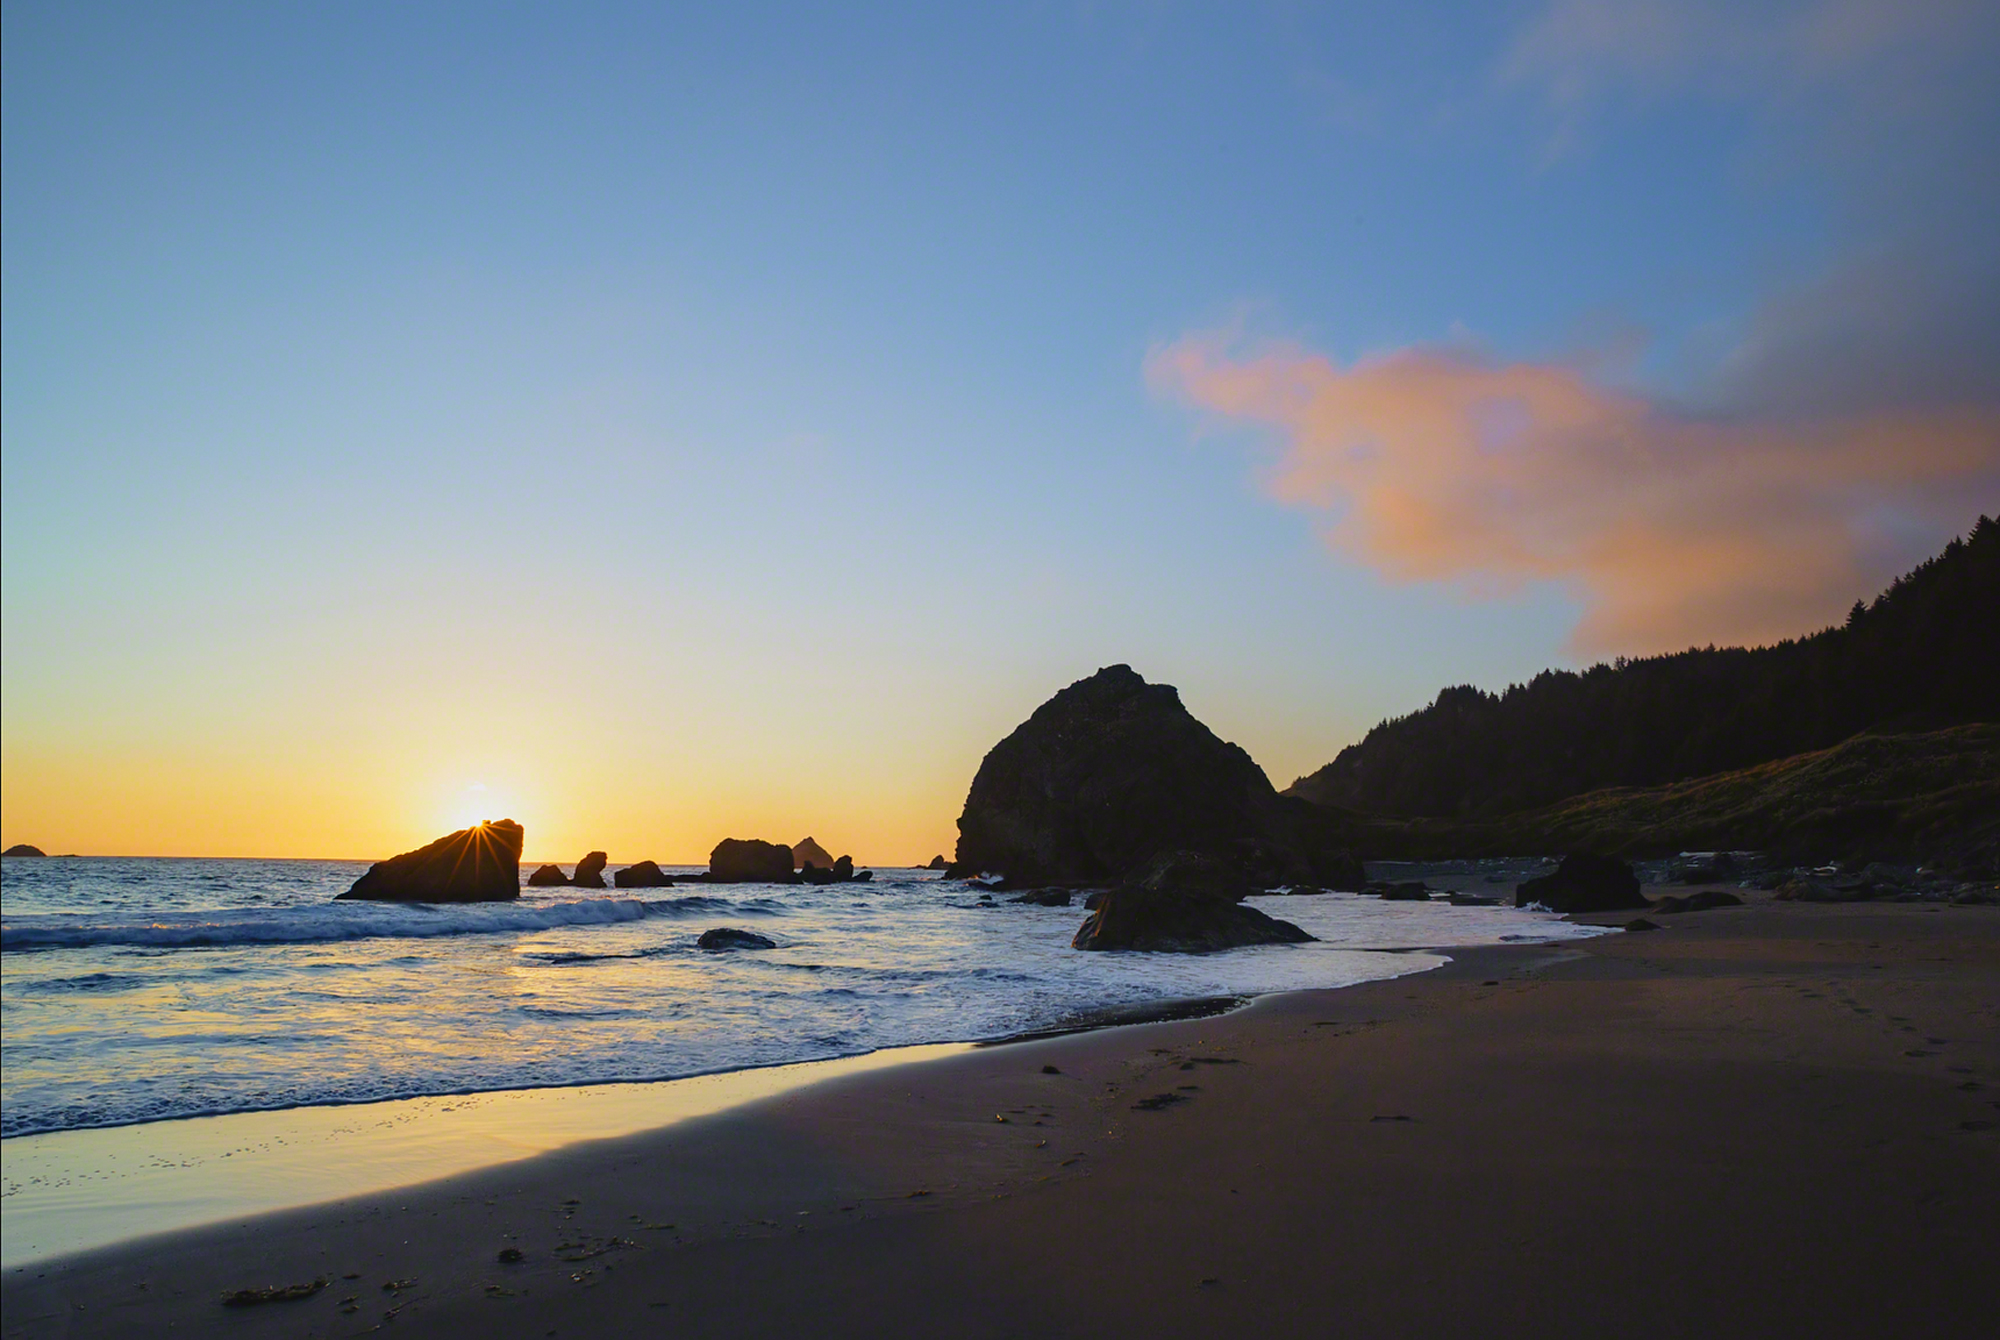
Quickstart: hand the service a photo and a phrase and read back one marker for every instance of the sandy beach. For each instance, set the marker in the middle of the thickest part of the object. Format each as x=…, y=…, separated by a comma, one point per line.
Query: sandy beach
x=1774, y=1119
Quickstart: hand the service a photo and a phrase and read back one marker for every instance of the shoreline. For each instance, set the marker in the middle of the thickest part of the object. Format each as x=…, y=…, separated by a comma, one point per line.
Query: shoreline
x=1780, y=1114
x=462, y=1133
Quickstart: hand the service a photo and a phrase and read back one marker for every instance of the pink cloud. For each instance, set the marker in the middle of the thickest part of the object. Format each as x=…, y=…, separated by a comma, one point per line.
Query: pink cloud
x=1435, y=464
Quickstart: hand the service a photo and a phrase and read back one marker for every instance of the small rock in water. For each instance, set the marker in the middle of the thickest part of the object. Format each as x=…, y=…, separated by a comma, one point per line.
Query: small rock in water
x=645, y=875
x=728, y=937
x=1641, y=924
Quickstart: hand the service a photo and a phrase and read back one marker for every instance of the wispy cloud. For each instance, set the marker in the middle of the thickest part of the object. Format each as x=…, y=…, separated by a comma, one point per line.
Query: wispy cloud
x=1675, y=528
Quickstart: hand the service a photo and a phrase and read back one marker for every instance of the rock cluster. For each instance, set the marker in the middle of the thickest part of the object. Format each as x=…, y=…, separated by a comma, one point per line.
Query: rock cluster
x=474, y=865
x=1187, y=902
x=1111, y=773
x=1584, y=882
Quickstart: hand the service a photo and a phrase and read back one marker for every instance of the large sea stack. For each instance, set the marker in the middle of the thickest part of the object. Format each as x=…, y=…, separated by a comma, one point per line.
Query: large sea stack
x=1112, y=772
x=750, y=861
x=481, y=864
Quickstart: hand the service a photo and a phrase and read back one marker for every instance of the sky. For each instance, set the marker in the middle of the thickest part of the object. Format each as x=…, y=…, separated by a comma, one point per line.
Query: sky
x=658, y=424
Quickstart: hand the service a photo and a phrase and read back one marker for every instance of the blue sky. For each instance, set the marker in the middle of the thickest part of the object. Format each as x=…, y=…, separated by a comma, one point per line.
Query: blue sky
x=702, y=423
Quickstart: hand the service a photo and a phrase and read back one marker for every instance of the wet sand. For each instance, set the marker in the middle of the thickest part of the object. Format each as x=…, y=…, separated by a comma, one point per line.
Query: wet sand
x=1777, y=1119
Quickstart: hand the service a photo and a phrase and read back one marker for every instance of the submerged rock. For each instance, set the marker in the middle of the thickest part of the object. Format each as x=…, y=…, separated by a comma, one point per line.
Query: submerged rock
x=23, y=849
x=644, y=875
x=1187, y=903
x=547, y=876
x=1584, y=883
x=749, y=861
x=589, y=872
x=728, y=937
x=1112, y=772
x=480, y=864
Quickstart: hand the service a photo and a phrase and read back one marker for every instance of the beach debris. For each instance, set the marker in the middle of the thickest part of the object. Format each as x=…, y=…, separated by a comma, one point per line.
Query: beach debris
x=274, y=1293
x=583, y=1249
x=397, y=1286
x=1159, y=1101
x=508, y=1256
x=1050, y=1070
x=1397, y=1116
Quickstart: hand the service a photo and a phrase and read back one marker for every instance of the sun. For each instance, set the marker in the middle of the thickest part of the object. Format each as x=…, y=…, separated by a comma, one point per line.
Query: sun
x=474, y=804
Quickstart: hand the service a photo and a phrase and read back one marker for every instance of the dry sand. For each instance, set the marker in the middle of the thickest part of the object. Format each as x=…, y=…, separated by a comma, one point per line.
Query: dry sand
x=1771, y=1120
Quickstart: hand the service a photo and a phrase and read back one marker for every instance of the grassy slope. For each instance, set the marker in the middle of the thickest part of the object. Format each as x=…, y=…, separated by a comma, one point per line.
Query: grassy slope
x=1931, y=796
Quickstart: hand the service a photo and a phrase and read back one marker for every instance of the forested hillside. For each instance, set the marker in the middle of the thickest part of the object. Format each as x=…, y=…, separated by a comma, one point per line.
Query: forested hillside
x=1924, y=654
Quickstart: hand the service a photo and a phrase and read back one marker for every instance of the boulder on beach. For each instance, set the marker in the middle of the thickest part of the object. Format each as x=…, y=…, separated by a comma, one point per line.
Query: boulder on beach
x=805, y=851
x=749, y=861
x=1111, y=773
x=1186, y=903
x=1584, y=882
x=23, y=849
x=644, y=875
x=1697, y=902
x=480, y=864
x=728, y=937
x=589, y=872
x=1408, y=891
x=547, y=876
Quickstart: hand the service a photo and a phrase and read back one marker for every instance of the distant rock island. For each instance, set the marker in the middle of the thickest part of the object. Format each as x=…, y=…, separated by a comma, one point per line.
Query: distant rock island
x=807, y=852
x=481, y=864
x=1787, y=747
x=1111, y=773
x=23, y=849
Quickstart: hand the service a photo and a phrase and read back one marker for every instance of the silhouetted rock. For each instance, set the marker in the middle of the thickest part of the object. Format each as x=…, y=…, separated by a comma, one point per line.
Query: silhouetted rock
x=589, y=872
x=1637, y=924
x=838, y=872
x=1043, y=897
x=1112, y=772
x=1584, y=883
x=749, y=861
x=938, y=863
x=1472, y=900
x=547, y=876
x=807, y=850
x=644, y=875
x=1188, y=902
x=480, y=864
x=727, y=937
x=816, y=874
x=1713, y=868
x=23, y=849
x=1697, y=902
x=1409, y=891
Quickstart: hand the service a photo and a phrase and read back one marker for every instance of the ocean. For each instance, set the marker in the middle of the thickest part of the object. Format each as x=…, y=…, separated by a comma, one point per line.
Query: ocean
x=139, y=990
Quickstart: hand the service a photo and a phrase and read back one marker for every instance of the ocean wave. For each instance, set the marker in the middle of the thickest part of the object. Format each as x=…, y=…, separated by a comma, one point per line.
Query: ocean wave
x=316, y=924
